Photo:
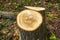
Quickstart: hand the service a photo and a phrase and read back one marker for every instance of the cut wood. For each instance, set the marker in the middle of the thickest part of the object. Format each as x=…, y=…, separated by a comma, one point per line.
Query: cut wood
x=35, y=8
x=29, y=20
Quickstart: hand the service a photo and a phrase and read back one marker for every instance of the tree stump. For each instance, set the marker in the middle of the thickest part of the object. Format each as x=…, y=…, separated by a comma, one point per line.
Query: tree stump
x=39, y=34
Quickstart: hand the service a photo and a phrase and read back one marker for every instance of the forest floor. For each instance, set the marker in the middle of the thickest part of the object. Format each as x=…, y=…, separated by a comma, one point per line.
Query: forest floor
x=6, y=25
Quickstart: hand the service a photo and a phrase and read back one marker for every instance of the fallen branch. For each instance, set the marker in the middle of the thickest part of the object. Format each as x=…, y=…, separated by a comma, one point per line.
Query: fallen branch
x=8, y=15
